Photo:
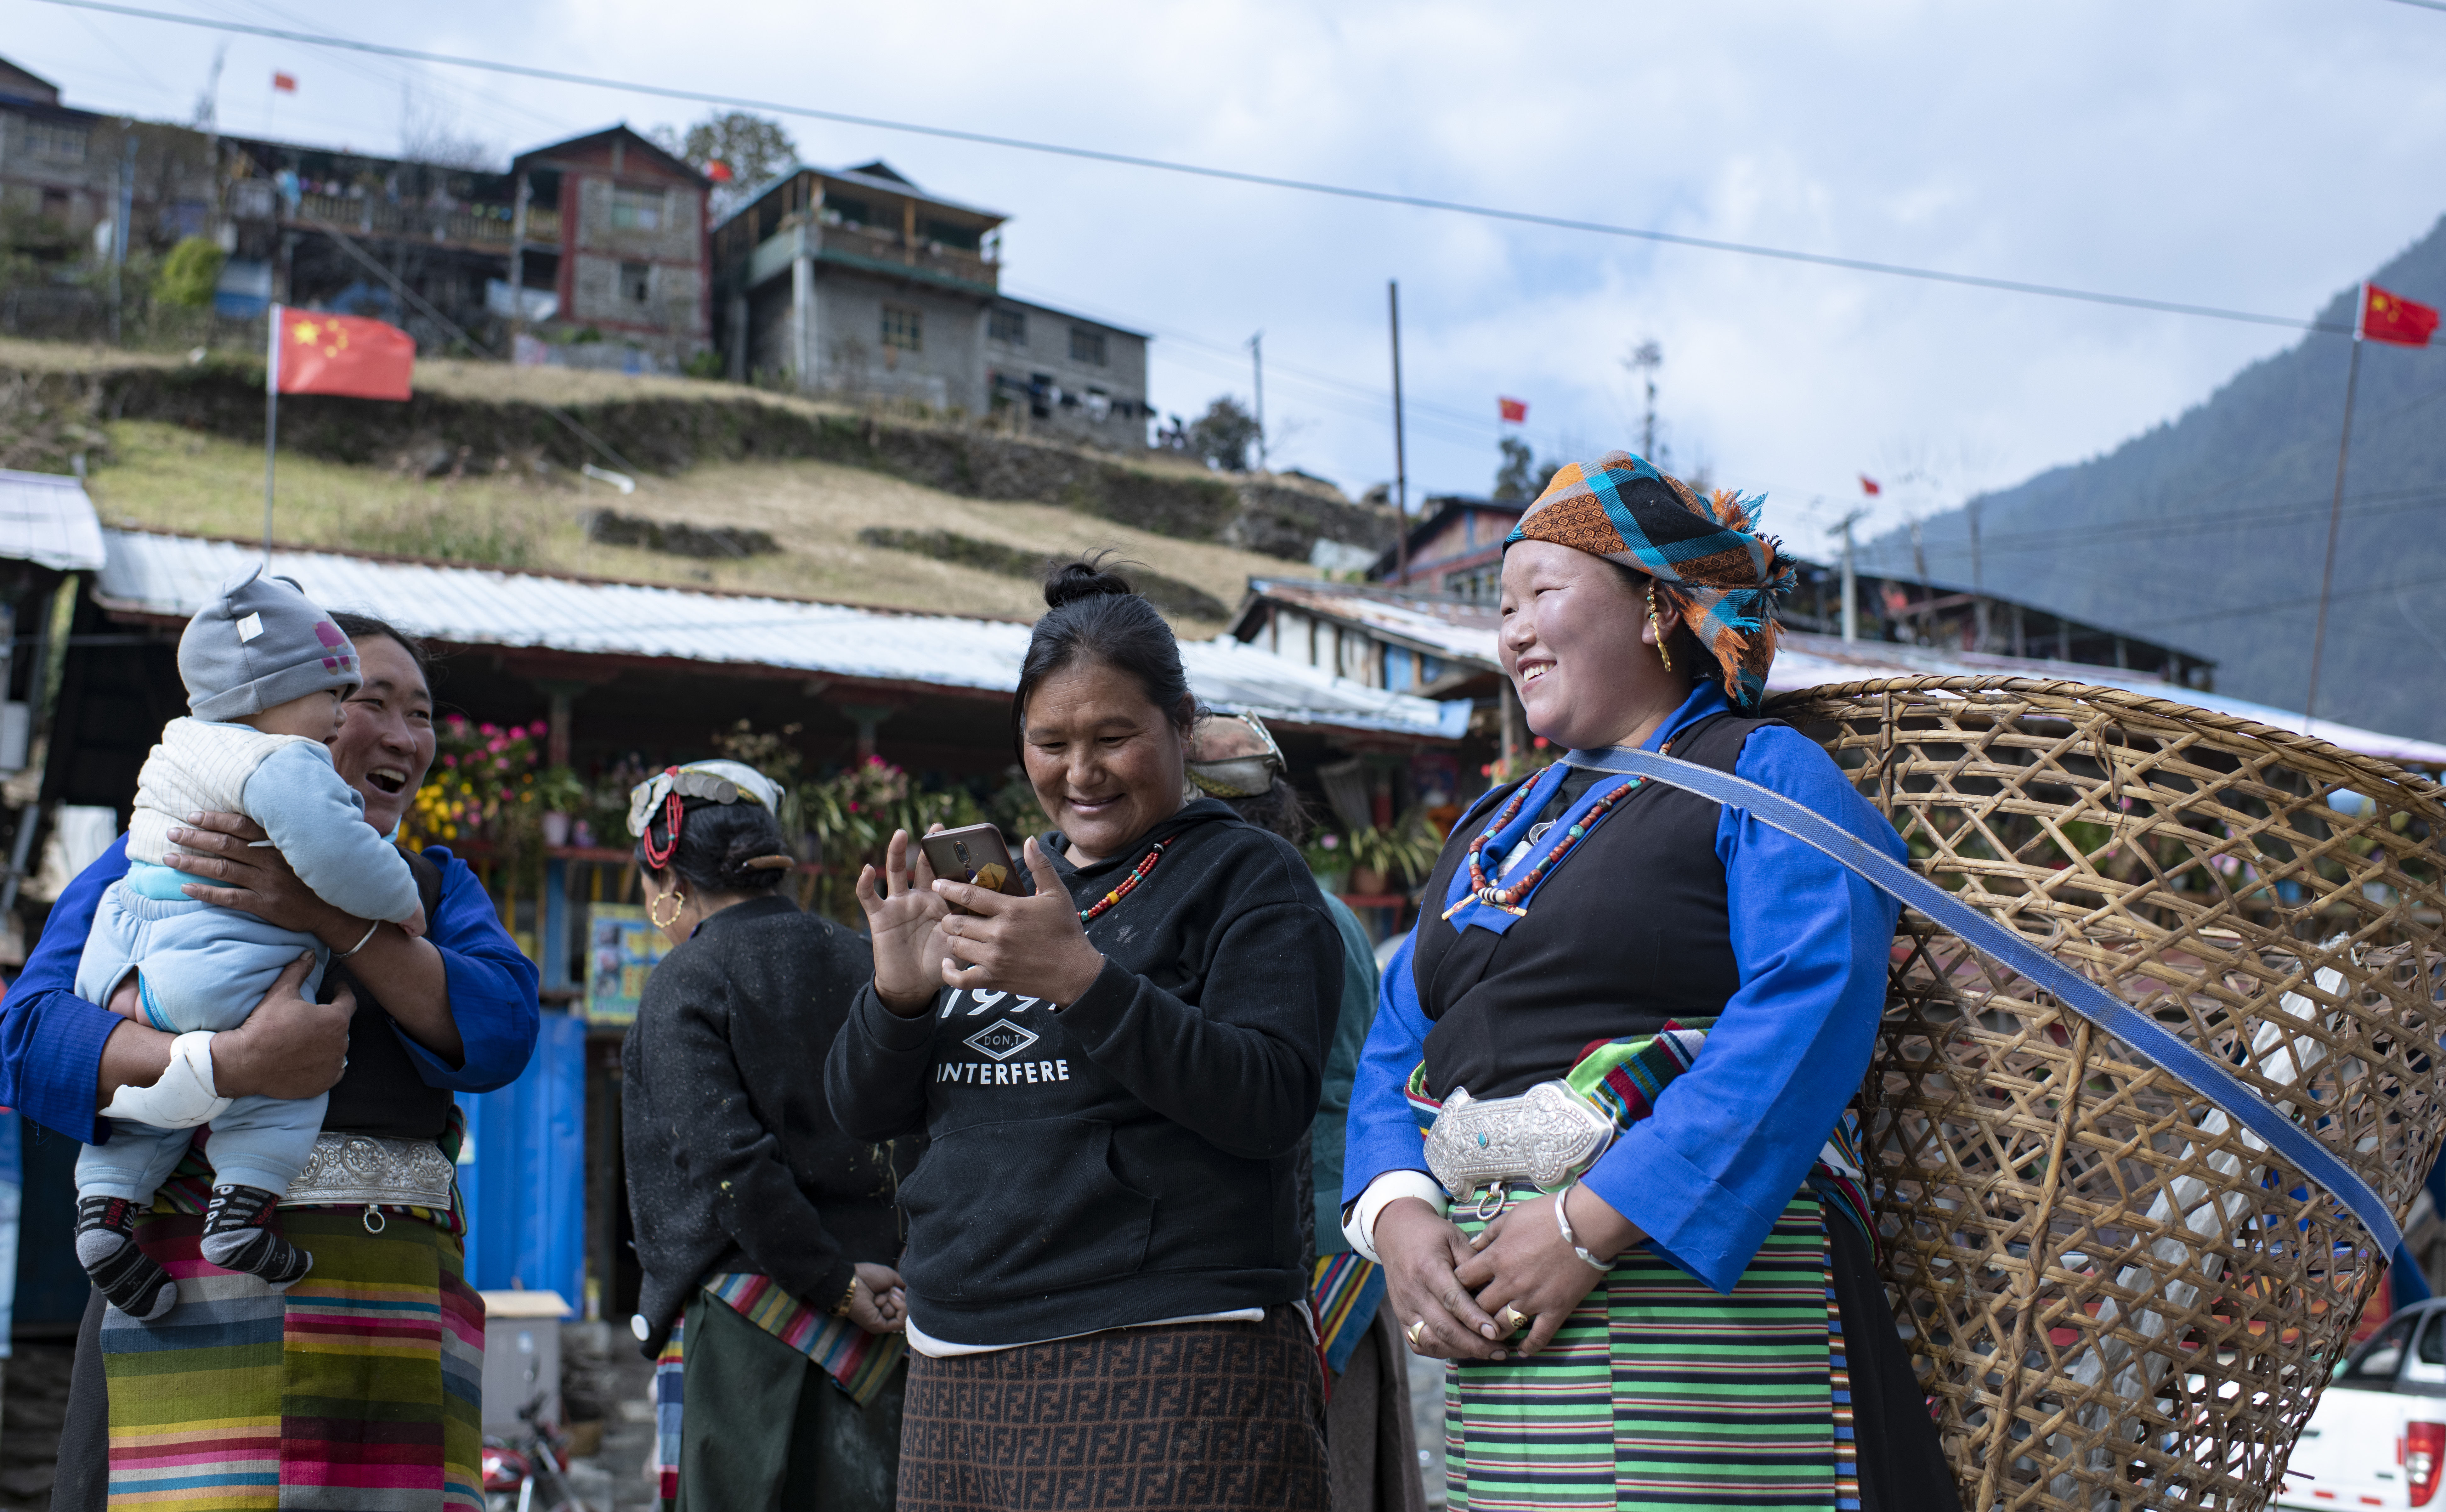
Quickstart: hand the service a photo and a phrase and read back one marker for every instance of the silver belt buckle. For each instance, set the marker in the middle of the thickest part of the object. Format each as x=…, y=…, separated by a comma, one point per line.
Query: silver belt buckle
x=372, y=1171
x=1545, y=1136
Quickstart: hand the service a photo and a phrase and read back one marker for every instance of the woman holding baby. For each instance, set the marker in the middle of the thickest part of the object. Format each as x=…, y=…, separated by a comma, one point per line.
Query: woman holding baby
x=372, y=1389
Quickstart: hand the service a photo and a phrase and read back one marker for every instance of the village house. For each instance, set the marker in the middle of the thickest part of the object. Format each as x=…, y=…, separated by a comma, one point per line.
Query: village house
x=858, y=284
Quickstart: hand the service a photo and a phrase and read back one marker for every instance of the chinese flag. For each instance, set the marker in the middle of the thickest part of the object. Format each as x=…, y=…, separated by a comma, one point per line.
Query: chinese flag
x=285, y=82
x=1515, y=410
x=342, y=354
x=2393, y=317
x=1869, y=486
x=719, y=171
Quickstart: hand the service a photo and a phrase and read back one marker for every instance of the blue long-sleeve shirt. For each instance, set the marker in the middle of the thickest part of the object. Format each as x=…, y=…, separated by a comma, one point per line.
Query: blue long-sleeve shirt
x=50, y=1038
x=1731, y=1139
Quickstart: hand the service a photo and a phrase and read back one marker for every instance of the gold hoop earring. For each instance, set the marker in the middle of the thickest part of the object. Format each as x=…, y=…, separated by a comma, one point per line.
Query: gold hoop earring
x=654, y=909
x=1663, y=654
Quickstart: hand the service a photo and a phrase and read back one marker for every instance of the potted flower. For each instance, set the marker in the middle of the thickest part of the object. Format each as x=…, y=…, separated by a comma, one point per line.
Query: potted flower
x=1329, y=861
x=563, y=797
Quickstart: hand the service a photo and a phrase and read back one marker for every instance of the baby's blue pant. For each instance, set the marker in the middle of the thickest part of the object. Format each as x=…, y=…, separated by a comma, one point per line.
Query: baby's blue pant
x=203, y=966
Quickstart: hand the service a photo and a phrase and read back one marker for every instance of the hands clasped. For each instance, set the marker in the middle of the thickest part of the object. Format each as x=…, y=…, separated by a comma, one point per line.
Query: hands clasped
x=1466, y=1298
x=1034, y=945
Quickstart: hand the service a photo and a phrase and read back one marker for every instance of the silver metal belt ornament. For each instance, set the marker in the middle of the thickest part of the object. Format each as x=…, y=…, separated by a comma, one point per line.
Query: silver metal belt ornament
x=1545, y=1136
x=347, y=1170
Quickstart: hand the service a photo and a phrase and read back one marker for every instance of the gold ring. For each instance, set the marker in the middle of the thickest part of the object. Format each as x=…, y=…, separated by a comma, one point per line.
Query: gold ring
x=1515, y=1317
x=1414, y=1332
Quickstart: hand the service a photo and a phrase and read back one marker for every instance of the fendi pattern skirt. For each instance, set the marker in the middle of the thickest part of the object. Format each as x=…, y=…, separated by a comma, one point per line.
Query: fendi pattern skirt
x=1215, y=1417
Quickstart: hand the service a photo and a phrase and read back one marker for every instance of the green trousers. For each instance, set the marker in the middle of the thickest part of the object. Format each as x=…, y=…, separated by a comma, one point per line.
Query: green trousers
x=764, y=1429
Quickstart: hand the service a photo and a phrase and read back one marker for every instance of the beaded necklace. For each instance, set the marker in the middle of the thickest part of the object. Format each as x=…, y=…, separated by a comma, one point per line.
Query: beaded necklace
x=1136, y=875
x=1508, y=899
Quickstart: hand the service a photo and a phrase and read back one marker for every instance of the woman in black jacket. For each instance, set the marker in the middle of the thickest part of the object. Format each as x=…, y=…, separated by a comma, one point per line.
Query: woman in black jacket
x=1114, y=1073
x=765, y=1233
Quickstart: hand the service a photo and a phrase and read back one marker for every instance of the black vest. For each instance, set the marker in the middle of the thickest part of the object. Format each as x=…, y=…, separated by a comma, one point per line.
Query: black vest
x=382, y=1092
x=1631, y=930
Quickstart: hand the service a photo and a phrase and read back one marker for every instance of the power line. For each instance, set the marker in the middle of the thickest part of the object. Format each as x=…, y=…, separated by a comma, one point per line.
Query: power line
x=1230, y=175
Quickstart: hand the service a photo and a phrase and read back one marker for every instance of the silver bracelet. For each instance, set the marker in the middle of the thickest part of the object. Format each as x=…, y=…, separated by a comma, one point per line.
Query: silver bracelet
x=1563, y=1221
x=362, y=944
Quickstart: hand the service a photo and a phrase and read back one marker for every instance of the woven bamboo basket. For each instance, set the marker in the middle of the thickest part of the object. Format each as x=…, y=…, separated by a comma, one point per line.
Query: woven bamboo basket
x=2116, y=1298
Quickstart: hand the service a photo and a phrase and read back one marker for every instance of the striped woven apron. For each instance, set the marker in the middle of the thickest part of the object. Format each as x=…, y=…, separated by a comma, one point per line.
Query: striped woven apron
x=1657, y=1394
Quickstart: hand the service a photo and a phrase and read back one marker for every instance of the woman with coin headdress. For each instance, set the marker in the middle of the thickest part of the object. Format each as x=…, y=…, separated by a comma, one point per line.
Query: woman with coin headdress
x=1681, y=1309
x=767, y=1236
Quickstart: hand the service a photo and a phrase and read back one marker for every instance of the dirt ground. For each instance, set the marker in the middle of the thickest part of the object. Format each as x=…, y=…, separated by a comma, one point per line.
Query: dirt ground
x=163, y=478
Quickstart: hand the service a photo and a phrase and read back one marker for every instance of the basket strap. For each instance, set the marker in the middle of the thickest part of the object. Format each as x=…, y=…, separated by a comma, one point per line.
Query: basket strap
x=2149, y=1039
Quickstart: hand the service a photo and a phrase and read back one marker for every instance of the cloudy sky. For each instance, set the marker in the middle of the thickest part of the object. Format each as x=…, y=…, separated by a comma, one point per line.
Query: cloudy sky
x=2257, y=154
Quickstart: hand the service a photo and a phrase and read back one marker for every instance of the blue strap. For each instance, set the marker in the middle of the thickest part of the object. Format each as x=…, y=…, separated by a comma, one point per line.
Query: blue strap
x=2150, y=1040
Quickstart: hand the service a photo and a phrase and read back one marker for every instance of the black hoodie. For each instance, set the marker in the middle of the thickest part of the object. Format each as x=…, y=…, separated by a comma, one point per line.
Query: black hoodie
x=1131, y=1157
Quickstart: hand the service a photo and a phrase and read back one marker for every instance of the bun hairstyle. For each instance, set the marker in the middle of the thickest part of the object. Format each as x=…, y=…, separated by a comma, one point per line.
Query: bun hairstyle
x=717, y=845
x=1092, y=611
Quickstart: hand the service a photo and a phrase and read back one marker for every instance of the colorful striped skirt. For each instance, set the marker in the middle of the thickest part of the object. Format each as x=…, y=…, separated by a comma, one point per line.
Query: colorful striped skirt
x=1662, y=1395
x=358, y=1389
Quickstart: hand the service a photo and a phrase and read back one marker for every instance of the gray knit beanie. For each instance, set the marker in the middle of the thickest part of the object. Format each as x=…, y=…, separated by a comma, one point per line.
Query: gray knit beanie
x=260, y=643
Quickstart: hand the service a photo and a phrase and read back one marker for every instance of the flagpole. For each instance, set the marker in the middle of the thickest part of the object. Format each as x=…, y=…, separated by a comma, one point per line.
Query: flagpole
x=271, y=421
x=2336, y=508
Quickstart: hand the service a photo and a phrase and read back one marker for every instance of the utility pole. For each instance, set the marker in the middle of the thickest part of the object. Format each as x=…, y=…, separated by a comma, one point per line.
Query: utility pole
x=1645, y=362
x=1978, y=587
x=1400, y=455
x=2336, y=510
x=518, y=266
x=1257, y=357
x=1850, y=582
x=122, y=208
x=1919, y=569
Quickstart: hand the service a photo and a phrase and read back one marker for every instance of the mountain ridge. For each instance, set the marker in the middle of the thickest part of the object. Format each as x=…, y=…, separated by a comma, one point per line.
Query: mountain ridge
x=2230, y=499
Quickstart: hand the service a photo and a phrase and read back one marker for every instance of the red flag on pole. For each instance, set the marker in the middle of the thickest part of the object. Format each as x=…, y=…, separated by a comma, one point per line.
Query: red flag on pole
x=2393, y=317
x=342, y=354
x=1515, y=410
x=285, y=82
x=719, y=171
x=1869, y=486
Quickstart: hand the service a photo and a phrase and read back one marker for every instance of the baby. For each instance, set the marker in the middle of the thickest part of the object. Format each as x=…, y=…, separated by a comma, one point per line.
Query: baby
x=266, y=674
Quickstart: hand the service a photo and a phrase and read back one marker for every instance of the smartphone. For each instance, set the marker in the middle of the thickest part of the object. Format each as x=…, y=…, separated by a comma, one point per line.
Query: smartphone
x=973, y=854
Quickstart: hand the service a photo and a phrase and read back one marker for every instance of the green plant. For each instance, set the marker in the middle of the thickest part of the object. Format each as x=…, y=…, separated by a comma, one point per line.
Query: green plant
x=1406, y=849
x=776, y=753
x=188, y=275
x=706, y=364
x=482, y=783
x=559, y=791
x=445, y=530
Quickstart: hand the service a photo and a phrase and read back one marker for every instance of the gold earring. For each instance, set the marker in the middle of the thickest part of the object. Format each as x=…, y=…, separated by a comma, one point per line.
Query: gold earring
x=654, y=909
x=1665, y=655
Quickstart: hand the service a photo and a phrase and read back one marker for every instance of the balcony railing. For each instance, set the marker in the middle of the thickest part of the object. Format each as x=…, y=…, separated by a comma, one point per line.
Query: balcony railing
x=463, y=225
x=878, y=244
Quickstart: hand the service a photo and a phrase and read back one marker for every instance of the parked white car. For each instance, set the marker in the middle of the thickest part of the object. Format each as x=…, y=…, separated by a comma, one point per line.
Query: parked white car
x=2377, y=1438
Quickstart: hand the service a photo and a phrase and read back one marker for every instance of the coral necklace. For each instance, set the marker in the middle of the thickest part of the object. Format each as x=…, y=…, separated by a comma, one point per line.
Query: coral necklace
x=1129, y=882
x=1508, y=899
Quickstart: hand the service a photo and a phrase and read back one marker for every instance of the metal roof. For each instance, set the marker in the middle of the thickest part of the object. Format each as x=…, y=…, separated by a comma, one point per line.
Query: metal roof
x=173, y=576
x=47, y=519
x=1466, y=632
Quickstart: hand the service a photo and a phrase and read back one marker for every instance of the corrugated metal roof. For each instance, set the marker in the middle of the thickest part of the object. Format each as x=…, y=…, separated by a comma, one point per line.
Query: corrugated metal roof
x=1466, y=632
x=47, y=519
x=173, y=576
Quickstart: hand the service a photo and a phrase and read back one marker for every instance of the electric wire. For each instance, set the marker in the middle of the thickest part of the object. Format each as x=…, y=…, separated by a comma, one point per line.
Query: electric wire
x=1228, y=174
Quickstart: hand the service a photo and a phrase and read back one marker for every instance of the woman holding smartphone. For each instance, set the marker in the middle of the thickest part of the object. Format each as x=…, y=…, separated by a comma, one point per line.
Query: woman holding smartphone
x=1116, y=1073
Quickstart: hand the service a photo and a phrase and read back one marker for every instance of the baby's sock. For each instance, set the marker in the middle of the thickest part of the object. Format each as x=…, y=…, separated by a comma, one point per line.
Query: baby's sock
x=130, y=1279
x=235, y=1237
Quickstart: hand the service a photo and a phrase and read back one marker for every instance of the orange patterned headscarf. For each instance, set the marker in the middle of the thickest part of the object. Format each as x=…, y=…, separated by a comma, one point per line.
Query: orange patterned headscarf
x=1707, y=558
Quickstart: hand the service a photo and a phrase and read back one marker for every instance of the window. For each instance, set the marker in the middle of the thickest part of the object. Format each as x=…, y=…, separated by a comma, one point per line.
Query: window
x=637, y=282
x=850, y=212
x=636, y=209
x=2381, y=1356
x=1007, y=326
x=967, y=238
x=1087, y=345
x=904, y=329
x=66, y=143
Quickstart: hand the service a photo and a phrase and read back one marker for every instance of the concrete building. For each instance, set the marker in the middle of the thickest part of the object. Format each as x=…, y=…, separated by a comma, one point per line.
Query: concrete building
x=858, y=284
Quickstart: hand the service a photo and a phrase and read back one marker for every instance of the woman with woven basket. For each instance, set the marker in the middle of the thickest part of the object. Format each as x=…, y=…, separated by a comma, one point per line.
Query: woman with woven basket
x=1629, y=1025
